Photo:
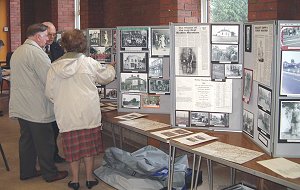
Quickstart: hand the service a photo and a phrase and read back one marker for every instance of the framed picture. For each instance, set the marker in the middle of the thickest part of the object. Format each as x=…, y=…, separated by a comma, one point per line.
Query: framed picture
x=233, y=70
x=248, y=38
x=263, y=139
x=219, y=119
x=94, y=37
x=101, y=92
x=225, y=53
x=136, y=38
x=150, y=101
x=264, y=98
x=290, y=73
x=155, y=68
x=101, y=54
x=134, y=82
x=106, y=37
x=182, y=118
x=58, y=37
x=247, y=85
x=114, y=41
x=248, y=123
x=187, y=58
x=218, y=72
x=228, y=34
x=289, y=128
x=131, y=101
x=160, y=42
x=199, y=119
x=159, y=86
x=264, y=123
x=134, y=62
x=111, y=93
x=289, y=37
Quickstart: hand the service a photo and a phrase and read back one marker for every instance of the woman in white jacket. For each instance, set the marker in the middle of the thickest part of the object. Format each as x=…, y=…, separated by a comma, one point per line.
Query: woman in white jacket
x=71, y=87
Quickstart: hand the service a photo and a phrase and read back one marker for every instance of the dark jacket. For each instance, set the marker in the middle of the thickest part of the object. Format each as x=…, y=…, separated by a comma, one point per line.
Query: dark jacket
x=56, y=51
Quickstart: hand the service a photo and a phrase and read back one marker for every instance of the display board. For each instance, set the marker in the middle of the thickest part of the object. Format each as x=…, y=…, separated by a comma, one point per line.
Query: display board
x=143, y=59
x=206, y=73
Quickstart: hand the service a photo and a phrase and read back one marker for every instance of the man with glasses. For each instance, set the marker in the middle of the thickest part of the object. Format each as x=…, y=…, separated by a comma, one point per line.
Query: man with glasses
x=54, y=51
x=28, y=103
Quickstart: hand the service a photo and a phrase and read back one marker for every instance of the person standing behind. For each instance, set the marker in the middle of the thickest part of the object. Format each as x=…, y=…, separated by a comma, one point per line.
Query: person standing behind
x=71, y=87
x=28, y=103
x=54, y=51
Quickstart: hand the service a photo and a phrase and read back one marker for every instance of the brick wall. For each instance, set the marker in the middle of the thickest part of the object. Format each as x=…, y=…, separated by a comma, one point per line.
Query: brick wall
x=15, y=23
x=65, y=14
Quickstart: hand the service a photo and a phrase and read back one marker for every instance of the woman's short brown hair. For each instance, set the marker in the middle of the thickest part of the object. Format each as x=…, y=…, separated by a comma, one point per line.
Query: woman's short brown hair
x=74, y=41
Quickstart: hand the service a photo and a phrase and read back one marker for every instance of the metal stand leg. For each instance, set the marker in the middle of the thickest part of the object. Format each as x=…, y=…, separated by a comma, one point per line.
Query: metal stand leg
x=232, y=175
x=198, y=171
x=113, y=134
x=172, y=151
x=121, y=137
x=210, y=174
x=4, y=158
x=193, y=171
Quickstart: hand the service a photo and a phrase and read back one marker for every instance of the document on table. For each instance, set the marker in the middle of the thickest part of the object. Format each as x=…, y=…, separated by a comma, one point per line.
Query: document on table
x=283, y=167
x=229, y=152
x=130, y=116
x=144, y=124
x=194, y=139
x=171, y=133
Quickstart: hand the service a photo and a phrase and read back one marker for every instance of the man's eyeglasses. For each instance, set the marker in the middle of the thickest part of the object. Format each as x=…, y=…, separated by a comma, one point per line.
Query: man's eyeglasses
x=52, y=35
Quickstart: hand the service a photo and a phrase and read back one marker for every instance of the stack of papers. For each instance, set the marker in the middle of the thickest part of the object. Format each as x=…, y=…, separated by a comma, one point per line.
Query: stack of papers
x=194, y=139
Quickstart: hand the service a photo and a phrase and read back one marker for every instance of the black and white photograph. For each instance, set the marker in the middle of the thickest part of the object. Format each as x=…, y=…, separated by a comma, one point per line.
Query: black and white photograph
x=155, y=68
x=58, y=37
x=290, y=73
x=160, y=41
x=111, y=93
x=218, y=72
x=219, y=119
x=150, y=101
x=289, y=129
x=228, y=34
x=134, y=62
x=134, y=82
x=134, y=38
x=101, y=54
x=263, y=139
x=131, y=101
x=233, y=70
x=290, y=37
x=224, y=53
x=199, y=119
x=248, y=38
x=264, y=98
x=248, y=123
x=264, y=123
x=188, y=61
x=101, y=92
x=182, y=118
x=106, y=37
x=94, y=37
x=159, y=86
x=114, y=41
x=247, y=85
x=260, y=49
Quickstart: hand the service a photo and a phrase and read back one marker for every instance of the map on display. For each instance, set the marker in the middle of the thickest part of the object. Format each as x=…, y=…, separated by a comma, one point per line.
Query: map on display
x=144, y=124
x=229, y=152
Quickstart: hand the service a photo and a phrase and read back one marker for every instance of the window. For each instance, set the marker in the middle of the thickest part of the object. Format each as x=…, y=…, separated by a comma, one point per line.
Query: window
x=225, y=10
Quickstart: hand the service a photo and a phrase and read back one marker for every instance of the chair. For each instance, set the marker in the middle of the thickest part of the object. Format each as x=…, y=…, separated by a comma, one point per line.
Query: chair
x=4, y=158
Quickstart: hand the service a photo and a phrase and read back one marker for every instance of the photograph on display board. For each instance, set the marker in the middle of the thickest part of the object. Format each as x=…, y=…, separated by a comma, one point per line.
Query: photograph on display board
x=101, y=92
x=155, y=68
x=248, y=122
x=218, y=72
x=101, y=54
x=264, y=123
x=219, y=119
x=199, y=119
x=248, y=38
x=135, y=38
x=233, y=70
x=134, y=82
x=111, y=93
x=228, y=34
x=264, y=98
x=263, y=139
x=182, y=118
x=131, y=101
x=134, y=62
x=94, y=36
x=58, y=37
x=260, y=49
x=289, y=128
x=150, y=101
x=114, y=41
x=187, y=61
x=290, y=73
x=159, y=86
x=224, y=53
x=106, y=37
x=160, y=42
x=290, y=37
x=247, y=85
